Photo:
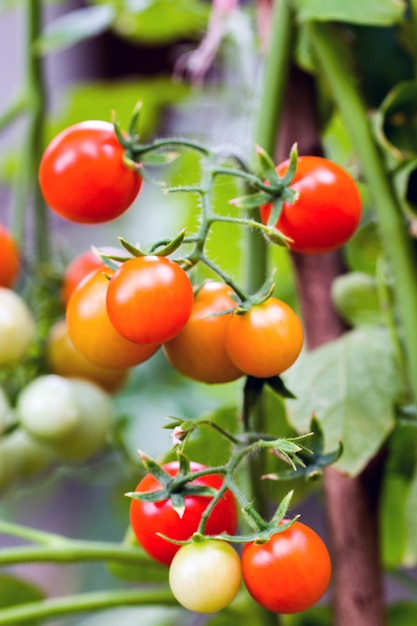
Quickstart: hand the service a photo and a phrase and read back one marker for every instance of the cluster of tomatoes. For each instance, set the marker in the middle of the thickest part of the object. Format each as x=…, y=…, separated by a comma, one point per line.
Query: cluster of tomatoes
x=63, y=413
x=119, y=312
x=287, y=573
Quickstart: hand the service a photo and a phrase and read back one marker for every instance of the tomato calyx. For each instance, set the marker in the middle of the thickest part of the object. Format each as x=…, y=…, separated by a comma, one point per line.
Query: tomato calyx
x=175, y=488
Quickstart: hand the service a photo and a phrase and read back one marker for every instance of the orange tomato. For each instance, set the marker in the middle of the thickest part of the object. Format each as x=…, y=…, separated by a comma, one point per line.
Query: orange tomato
x=91, y=331
x=266, y=340
x=9, y=258
x=199, y=350
x=63, y=359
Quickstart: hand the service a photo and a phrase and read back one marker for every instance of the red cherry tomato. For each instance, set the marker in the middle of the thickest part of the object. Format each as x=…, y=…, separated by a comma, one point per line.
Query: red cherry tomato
x=91, y=331
x=83, y=176
x=9, y=258
x=149, y=518
x=290, y=572
x=327, y=211
x=149, y=299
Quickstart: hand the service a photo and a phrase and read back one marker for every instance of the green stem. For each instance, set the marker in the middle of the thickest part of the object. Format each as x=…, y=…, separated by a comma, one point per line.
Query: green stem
x=26, y=185
x=137, y=150
x=79, y=603
x=333, y=63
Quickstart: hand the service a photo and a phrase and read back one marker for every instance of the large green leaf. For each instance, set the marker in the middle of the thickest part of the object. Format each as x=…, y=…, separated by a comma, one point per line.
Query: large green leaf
x=402, y=614
x=158, y=21
x=352, y=385
x=355, y=296
x=75, y=26
x=376, y=12
x=15, y=590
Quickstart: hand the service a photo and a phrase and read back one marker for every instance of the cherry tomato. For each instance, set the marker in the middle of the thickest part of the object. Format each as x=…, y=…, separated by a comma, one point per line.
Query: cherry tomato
x=92, y=332
x=149, y=518
x=198, y=351
x=290, y=572
x=266, y=340
x=80, y=267
x=73, y=416
x=83, y=176
x=205, y=575
x=63, y=359
x=17, y=327
x=149, y=299
x=9, y=258
x=327, y=211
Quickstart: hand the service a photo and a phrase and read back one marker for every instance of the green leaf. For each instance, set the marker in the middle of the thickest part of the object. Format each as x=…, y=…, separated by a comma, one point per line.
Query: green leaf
x=364, y=249
x=251, y=201
x=372, y=12
x=404, y=182
x=159, y=21
x=395, y=122
x=351, y=385
x=76, y=26
x=356, y=299
x=14, y=590
x=402, y=614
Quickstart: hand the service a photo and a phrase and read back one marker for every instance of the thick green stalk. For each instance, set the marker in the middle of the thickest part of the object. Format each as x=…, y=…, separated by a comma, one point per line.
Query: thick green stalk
x=80, y=603
x=27, y=186
x=333, y=62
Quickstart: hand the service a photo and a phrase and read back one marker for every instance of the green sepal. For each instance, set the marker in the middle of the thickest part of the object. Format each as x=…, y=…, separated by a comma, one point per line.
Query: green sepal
x=134, y=250
x=133, y=129
x=173, y=245
x=178, y=503
x=267, y=166
x=252, y=200
x=288, y=177
x=276, y=211
x=110, y=260
x=278, y=386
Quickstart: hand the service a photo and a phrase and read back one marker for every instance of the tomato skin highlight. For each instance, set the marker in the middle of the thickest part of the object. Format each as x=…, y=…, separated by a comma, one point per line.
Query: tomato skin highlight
x=149, y=518
x=327, y=211
x=290, y=572
x=83, y=177
x=92, y=332
x=198, y=351
x=205, y=576
x=266, y=340
x=149, y=299
x=9, y=258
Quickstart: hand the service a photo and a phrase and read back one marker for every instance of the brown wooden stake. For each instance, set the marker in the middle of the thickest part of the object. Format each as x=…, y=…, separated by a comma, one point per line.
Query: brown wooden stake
x=351, y=503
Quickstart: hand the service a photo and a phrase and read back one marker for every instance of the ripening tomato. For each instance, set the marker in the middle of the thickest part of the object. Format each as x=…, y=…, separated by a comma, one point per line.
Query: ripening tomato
x=149, y=299
x=205, y=575
x=17, y=327
x=198, y=351
x=9, y=258
x=290, y=572
x=81, y=266
x=83, y=176
x=149, y=518
x=327, y=211
x=266, y=340
x=63, y=359
x=91, y=331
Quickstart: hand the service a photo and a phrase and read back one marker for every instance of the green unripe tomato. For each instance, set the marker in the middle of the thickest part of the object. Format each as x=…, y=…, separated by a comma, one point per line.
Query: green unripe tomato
x=48, y=409
x=17, y=327
x=22, y=457
x=96, y=411
x=205, y=575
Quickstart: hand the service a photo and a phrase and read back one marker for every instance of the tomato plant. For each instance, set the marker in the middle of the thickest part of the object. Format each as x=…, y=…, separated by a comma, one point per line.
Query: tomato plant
x=63, y=359
x=149, y=518
x=199, y=351
x=17, y=327
x=205, y=575
x=83, y=175
x=266, y=340
x=9, y=258
x=80, y=267
x=328, y=208
x=92, y=332
x=290, y=572
x=149, y=299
